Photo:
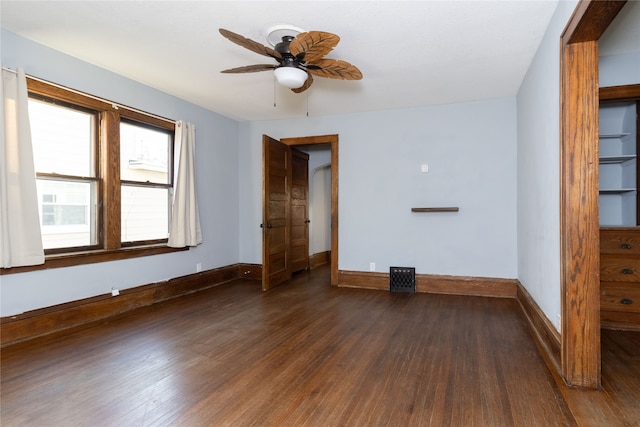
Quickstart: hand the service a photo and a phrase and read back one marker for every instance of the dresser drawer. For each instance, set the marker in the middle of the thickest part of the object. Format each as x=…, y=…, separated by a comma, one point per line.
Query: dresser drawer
x=619, y=268
x=624, y=241
x=620, y=296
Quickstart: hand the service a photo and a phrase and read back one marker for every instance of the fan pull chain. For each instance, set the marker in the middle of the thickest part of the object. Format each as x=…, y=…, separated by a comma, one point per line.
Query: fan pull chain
x=307, y=103
x=274, y=91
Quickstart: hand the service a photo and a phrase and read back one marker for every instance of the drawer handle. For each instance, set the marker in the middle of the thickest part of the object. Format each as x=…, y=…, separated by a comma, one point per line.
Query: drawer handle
x=625, y=246
x=626, y=271
x=626, y=301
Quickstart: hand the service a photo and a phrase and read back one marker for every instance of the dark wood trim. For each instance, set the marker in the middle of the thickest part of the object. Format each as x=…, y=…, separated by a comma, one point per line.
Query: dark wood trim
x=110, y=183
x=466, y=285
x=321, y=258
x=579, y=215
x=363, y=279
x=35, y=323
x=590, y=20
x=619, y=93
x=92, y=257
x=445, y=209
x=331, y=140
x=436, y=284
x=57, y=91
x=545, y=335
x=250, y=271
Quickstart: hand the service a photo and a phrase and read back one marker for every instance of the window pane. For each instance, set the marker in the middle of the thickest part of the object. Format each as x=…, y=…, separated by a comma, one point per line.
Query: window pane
x=62, y=139
x=67, y=213
x=145, y=213
x=144, y=154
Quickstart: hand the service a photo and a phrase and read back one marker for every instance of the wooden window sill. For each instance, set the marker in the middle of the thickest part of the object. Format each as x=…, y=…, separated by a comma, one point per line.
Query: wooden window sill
x=91, y=257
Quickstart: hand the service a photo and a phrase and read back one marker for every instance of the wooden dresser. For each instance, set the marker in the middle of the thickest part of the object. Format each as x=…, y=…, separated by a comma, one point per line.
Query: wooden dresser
x=620, y=277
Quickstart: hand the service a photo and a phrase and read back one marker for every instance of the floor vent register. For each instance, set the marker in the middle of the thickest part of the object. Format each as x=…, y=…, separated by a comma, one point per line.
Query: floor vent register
x=402, y=279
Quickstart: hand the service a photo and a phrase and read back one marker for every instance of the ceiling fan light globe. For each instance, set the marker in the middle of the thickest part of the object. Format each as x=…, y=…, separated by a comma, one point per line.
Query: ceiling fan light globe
x=290, y=77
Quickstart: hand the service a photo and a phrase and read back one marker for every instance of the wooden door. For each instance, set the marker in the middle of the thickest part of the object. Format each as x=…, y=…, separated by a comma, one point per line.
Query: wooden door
x=299, y=210
x=276, y=168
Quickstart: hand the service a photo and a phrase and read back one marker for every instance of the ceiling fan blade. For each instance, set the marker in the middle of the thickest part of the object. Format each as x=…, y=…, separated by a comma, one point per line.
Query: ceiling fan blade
x=334, y=69
x=305, y=86
x=250, y=44
x=314, y=45
x=250, y=68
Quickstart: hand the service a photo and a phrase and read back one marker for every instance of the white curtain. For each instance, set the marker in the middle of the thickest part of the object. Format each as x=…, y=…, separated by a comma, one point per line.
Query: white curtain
x=185, y=220
x=21, y=241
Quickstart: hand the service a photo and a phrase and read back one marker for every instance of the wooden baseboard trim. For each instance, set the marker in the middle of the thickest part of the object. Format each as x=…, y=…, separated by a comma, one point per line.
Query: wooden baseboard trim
x=545, y=335
x=363, y=279
x=432, y=283
x=250, y=271
x=464, y=285
x=321, y=258
x=36, y=323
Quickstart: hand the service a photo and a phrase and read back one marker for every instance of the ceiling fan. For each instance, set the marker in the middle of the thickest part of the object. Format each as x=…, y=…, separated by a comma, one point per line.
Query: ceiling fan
x=298, y=58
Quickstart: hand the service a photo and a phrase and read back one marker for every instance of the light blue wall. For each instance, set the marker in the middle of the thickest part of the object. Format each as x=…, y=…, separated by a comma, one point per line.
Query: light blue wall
x=319, y=199
x=539, y=170
x=618, y=70
x=471, y=152
x=217, y=185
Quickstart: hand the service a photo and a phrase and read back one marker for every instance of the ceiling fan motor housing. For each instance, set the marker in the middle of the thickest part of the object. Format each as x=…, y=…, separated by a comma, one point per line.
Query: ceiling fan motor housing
x=288, y=60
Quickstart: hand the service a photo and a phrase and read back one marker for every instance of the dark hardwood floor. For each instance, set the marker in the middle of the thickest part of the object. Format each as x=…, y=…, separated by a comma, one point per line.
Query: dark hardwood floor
x=302, y=354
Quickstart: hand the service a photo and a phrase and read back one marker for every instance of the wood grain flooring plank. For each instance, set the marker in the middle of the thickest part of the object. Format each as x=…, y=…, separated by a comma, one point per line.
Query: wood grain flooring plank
x=302, y=354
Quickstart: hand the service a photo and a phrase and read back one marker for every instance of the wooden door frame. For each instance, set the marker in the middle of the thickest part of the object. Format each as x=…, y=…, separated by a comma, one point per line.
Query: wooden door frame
x=331, y=140
x=579, y=205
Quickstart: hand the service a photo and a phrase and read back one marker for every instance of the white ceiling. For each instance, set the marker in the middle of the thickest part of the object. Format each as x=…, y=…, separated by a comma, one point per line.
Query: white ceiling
x=411, y=53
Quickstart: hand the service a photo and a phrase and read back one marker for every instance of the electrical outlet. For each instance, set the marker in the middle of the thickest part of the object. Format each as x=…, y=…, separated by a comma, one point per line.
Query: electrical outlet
x=372, y=266
x=114, y=292
x=198, y=267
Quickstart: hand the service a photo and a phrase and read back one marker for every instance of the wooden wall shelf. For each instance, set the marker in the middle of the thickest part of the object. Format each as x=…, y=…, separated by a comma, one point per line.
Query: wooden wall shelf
x=447, y=209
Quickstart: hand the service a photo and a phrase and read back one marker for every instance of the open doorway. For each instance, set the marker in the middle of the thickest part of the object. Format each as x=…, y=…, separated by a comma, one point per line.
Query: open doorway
x=319, y=204
x=331, y=142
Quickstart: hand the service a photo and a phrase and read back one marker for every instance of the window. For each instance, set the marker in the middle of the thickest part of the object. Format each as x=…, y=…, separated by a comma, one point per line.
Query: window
x=63, y=145
x=104, y=173
x=145, y=182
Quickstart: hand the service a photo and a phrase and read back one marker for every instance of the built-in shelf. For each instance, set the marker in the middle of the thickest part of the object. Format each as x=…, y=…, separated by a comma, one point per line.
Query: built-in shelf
x=616, y=190
x=618, y=180
x=616, y=159
x=447, y=209
x=613, y=135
